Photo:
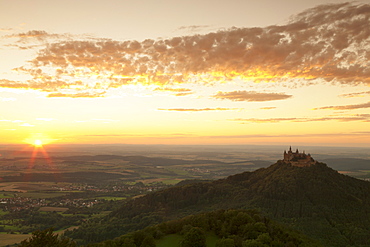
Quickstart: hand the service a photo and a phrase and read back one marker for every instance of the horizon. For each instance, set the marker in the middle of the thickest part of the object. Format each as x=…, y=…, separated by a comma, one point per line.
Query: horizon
x=143, y=73
x=278, y=145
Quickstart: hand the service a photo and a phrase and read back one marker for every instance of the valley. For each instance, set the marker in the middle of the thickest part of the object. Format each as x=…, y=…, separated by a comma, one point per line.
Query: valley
x=69, y=187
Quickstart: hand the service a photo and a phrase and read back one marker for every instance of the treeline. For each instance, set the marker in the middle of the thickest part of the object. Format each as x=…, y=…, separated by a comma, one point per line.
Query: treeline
x=233, y=228
x=27, y=221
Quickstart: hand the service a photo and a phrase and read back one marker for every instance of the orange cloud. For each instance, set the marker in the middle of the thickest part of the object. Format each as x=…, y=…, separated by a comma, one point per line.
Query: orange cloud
x=76, y=95
x=176, y=91
x=42, y=37
x=352, y=95
x=345, y=107
x=197, y=110
x=250, y=96
x=268, y=108
x=328, y=42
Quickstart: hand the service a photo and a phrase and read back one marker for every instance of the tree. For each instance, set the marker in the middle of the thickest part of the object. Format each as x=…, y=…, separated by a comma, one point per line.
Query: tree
x=47, y=238
x=195, y=237
x=225, y=242
x=148, y=242
x=127, y=242
x=253, y=243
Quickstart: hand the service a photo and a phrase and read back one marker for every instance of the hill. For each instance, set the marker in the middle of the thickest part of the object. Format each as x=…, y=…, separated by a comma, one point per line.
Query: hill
x=220, y=228
x=316, y=200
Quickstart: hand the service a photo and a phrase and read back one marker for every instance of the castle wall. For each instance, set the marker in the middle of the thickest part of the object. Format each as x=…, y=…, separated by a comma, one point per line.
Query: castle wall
x=298, y=159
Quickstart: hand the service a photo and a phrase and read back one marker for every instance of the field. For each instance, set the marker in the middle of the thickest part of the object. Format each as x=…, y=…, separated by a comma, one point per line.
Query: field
x=53, y=209
x=8, y=239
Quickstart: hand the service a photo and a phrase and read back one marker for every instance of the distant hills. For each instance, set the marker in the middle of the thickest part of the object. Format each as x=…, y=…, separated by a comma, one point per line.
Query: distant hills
x=142, y=160
x=104, y=168
x=317, y=200
x=348, y=164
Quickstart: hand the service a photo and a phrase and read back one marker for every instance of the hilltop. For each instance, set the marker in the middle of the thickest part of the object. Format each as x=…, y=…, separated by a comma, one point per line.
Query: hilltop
x=315, y=199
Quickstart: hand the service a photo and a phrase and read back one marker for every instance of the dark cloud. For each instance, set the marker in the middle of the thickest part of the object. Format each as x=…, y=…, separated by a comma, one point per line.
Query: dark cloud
x=328, y=42
x=345, y=107
x=197, y=110
x=250, y=96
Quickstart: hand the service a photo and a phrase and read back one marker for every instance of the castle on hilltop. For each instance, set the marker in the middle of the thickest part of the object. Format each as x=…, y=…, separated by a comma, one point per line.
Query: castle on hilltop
x=297, y=158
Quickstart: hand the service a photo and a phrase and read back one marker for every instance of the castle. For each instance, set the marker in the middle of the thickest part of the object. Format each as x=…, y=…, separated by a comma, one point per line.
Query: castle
x=297, y=158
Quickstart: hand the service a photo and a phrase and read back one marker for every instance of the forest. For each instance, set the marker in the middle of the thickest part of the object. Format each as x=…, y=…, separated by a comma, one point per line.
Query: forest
x=317, y=200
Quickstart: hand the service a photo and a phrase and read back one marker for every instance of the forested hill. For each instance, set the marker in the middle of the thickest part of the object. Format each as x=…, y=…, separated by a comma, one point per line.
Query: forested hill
x=220, y=228
x=317, y=200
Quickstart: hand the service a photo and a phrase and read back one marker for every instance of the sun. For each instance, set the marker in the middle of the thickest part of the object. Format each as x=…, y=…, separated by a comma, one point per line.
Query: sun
x=38, y=140
x=37, y=143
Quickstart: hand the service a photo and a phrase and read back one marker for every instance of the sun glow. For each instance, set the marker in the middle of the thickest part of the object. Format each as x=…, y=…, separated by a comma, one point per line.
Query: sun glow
x=38, y=139
x=38, y=143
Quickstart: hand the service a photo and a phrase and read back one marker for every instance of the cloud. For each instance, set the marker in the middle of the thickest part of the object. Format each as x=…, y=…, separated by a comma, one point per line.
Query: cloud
x=27, y=40
x=326, y=43
x=26, y=125
x=76, y=95
x=246, y=136
x=349, y=134
x=265, y=120
x=197, y=110
x=39, y=35
x=250, y=96
x=358, y=117
x=194, y=28
x=344, y=107
x=18, y=122
x=48, y=86
x=352, y=95
x=5, y=29
x=268, y=108
x=31, y=34
x=176, y=91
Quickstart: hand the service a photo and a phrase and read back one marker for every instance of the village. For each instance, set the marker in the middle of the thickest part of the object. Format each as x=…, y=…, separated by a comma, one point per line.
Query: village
x=78, y=196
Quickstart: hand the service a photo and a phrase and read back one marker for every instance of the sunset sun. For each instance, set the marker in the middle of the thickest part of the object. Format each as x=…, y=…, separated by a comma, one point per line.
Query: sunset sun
x=38, y=143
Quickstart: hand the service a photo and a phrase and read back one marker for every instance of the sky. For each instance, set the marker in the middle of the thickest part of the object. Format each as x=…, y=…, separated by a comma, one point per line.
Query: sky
x=290, y=72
